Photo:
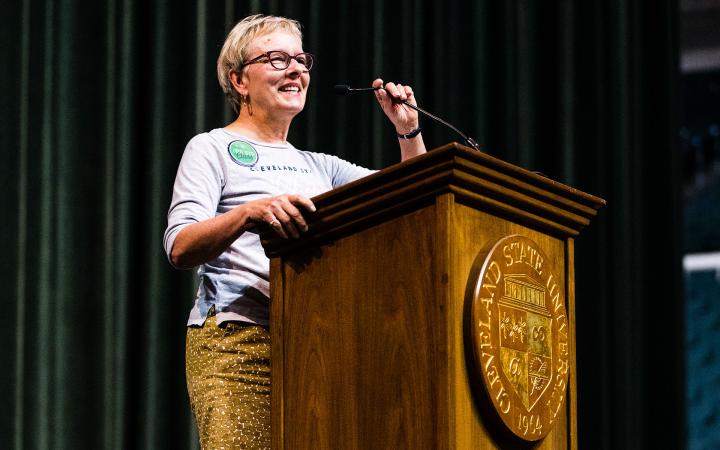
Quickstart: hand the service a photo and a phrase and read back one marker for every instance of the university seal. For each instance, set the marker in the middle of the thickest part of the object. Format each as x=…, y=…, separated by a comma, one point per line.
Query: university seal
x=520, y=335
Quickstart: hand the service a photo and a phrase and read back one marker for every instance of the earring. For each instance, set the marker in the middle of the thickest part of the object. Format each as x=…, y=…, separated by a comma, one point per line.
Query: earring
x=246, y=100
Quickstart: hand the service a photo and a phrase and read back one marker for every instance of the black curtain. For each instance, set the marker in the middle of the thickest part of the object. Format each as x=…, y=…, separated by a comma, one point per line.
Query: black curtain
x=99, y=98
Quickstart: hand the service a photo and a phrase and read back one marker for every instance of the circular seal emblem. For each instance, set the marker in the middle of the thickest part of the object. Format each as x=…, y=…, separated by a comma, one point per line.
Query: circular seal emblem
x=243, y=153
x=520, y=335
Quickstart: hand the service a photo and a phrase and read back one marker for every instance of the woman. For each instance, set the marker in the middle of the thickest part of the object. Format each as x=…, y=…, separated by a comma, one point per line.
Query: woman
x=231, y=180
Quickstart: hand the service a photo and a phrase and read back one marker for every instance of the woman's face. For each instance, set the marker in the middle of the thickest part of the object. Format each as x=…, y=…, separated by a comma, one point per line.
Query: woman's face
x=274, y=91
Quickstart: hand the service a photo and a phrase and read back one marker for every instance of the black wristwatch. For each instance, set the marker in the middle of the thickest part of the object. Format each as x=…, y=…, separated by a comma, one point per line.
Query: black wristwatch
x=411, y=134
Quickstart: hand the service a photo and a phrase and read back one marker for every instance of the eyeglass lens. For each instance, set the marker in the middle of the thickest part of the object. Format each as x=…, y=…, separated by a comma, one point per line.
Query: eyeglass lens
x=281, y=60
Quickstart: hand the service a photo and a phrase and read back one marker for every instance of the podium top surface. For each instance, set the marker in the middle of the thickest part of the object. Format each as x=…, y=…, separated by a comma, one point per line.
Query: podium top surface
x=474, y=178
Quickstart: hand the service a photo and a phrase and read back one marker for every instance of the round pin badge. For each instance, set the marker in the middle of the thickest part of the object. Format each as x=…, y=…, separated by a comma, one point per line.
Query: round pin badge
x=243, y=153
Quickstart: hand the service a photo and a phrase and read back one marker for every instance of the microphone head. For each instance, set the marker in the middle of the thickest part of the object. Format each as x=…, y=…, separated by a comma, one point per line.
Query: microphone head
x=342, y=89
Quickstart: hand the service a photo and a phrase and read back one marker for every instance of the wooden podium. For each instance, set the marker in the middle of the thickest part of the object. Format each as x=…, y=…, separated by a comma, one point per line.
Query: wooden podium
x=430, y=306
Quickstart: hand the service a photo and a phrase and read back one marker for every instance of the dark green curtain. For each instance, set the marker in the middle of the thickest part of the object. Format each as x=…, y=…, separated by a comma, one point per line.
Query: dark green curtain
x=99, y=98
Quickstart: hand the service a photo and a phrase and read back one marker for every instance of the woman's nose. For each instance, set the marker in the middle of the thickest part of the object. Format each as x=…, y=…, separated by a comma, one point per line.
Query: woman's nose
x=295, y=66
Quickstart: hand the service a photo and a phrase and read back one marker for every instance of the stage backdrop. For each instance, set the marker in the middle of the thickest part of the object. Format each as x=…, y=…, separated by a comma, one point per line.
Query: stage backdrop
x=99, y=98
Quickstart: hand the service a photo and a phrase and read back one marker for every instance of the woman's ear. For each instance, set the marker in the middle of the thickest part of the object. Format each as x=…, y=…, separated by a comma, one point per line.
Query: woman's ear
x=239, y=82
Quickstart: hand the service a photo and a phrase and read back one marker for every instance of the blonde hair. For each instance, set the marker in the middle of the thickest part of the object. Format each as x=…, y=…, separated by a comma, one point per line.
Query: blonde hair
x=233, y=55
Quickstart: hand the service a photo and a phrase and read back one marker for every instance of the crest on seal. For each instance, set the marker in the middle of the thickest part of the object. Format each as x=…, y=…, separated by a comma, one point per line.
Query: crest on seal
x=520, y=334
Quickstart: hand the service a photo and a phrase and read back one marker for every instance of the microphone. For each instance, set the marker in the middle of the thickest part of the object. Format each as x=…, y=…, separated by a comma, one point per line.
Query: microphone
x=344, y=89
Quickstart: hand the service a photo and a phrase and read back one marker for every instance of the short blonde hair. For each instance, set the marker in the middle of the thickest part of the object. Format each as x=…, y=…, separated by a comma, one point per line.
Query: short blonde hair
x=233, y=55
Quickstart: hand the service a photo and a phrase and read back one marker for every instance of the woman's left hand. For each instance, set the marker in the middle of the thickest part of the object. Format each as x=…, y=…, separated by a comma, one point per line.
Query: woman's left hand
x=390, y=97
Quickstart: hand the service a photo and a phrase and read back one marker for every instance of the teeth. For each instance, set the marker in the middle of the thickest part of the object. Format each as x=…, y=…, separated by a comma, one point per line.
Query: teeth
x=290, y=89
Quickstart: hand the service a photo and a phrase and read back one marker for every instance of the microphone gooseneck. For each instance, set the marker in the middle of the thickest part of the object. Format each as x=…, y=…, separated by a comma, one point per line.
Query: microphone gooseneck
x=344, y=89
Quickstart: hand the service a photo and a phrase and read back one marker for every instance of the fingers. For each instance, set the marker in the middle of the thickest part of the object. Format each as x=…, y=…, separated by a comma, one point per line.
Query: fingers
x=289, y=223
x=380, y=94
x=409, y=94
x=391, y=98
x=276, y=225
x=302, y=201
x=284, y=217
x=396, y=91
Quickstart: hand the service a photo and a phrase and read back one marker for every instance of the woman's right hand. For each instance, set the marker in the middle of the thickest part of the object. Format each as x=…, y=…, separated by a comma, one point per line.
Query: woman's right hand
x=283, y=213
x=203, y=241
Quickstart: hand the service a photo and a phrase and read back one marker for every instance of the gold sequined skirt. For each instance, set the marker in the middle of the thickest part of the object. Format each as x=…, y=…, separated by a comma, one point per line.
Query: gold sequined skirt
x=228, y=379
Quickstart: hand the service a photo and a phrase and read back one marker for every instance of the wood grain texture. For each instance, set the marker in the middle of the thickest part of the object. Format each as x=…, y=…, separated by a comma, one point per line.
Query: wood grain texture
x=471, y=233
x=277, y=359
x=369, y=313
x=361, y=348
x=572, y=388
x=474, y=177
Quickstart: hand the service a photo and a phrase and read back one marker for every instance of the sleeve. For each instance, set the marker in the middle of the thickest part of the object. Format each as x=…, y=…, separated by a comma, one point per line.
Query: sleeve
x=340, y=171
x=197, y=189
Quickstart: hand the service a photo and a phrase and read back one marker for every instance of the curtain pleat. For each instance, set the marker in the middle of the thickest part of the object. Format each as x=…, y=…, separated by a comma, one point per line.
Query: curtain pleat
x=99, y=100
